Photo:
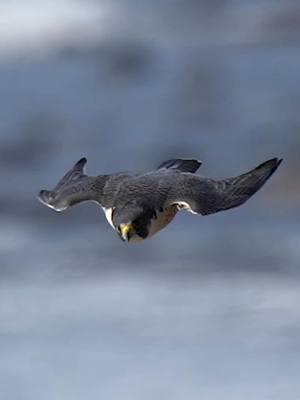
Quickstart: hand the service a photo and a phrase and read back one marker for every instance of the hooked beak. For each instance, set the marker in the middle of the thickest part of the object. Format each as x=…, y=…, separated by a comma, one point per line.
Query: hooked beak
x=126, y=232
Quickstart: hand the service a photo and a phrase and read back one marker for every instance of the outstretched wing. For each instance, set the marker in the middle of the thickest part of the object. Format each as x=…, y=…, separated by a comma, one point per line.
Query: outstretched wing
x=206, y=196
x=75, y=187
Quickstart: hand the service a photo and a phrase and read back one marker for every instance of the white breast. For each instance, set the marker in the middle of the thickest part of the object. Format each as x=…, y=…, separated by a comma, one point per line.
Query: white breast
x=108, y=214
x=163, y=219
x=157, y=224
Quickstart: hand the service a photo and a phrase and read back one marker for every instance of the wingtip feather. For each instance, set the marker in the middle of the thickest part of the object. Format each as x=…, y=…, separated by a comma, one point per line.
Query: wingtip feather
x=273, y=163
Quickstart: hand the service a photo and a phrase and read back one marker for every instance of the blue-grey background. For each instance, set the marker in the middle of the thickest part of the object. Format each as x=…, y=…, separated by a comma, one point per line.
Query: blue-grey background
x=209, y=308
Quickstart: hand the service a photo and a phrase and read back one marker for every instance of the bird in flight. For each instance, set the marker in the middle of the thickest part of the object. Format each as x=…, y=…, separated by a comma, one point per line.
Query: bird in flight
x=139, y=205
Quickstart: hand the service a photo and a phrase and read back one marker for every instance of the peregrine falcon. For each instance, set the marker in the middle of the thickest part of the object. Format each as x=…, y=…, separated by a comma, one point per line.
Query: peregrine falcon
x=139, y=205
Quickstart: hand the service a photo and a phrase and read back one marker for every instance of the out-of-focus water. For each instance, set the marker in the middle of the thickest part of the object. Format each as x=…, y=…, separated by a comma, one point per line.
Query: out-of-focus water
x=209, y=308
x=125, y=335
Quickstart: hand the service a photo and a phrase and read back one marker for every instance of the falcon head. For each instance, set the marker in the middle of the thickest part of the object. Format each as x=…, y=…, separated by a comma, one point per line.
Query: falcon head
x=132, y=222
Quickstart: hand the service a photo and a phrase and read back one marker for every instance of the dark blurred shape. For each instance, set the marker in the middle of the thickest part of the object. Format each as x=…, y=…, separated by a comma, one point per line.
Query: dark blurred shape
x=122, y=59
x=37, y=140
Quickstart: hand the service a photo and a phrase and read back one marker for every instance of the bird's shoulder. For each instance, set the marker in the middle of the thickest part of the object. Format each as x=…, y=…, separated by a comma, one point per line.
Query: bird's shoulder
x=145, y=188
x=150, y=189
x=150, y=180
x=113, y=185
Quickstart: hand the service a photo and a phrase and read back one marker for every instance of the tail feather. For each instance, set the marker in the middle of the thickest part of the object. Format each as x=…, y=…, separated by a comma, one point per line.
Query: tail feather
x=181, y=165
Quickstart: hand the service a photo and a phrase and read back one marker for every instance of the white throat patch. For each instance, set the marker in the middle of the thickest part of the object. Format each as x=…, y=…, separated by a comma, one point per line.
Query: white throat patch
x=108, y=214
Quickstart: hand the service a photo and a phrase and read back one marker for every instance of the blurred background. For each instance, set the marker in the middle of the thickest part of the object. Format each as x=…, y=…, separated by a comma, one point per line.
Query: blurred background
x=207, y=309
